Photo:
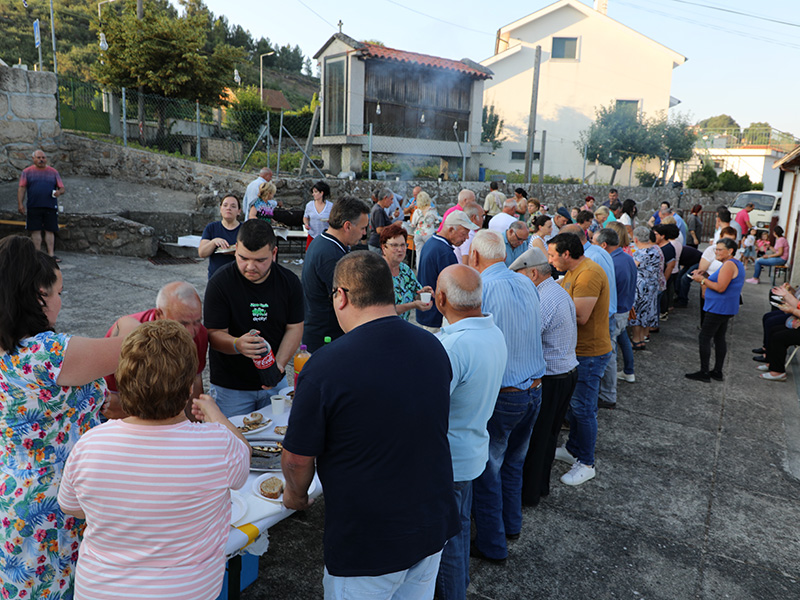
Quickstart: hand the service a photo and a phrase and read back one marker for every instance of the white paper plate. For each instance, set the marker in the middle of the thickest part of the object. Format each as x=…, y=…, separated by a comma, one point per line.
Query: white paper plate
x=256, y=488
x=238, y=421
x=238, y=506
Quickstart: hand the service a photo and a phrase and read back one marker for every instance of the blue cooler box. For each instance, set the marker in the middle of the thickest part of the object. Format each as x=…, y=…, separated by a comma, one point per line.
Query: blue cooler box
x=248, y=576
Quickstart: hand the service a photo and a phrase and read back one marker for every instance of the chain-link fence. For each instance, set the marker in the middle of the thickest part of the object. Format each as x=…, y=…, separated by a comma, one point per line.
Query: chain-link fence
x=225, y=135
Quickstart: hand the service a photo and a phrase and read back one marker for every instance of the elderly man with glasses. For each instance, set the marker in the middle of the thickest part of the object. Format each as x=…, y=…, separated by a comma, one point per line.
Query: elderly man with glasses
x=516, y=239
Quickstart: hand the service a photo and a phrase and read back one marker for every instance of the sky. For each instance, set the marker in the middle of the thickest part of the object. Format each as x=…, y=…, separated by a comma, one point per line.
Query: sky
x=743, y=65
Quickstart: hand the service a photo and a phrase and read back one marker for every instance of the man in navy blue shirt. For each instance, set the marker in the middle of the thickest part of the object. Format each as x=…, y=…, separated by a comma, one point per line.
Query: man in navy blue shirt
x=625, y=278
x=382, y=454
x=436, y=255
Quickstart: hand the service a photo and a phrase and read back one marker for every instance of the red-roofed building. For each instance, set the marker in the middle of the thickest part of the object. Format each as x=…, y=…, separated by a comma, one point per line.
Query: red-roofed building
x=417, y=104
x=274, y=100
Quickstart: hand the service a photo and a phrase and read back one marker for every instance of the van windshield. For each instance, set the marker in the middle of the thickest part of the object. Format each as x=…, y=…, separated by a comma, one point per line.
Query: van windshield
x=761, y=201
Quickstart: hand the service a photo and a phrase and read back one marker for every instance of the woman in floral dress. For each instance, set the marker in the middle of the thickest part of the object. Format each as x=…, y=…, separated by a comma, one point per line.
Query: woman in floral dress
x=50, y=392
x=650, y=265
x=406, y=286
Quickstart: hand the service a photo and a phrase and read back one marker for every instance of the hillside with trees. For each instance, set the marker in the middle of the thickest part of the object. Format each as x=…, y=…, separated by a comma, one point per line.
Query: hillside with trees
x=188, y=53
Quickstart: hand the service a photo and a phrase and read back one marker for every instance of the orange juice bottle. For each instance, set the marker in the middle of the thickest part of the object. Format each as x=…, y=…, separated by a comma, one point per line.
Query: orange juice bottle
x=300, y=359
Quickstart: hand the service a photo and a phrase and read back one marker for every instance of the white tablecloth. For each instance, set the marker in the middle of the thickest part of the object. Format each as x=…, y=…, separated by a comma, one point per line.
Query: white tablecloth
x=270, y=514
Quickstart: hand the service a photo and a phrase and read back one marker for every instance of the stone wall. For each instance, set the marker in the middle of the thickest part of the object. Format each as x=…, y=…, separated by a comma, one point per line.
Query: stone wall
x=100, y=234
x=83, y=156
x=27, y=118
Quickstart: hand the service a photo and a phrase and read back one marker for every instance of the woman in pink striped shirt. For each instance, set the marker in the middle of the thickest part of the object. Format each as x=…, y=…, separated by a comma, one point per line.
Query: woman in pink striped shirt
x=154, y=487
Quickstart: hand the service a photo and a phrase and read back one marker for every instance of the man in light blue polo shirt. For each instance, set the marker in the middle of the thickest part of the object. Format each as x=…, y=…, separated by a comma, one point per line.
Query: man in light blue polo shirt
x=516, y=240
x=602, y=258
x=477, y=351
x=513, y=301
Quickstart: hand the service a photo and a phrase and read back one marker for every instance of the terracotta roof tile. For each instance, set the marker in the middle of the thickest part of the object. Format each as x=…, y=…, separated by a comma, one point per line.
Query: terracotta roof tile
x=374, y=51
x=275, y=99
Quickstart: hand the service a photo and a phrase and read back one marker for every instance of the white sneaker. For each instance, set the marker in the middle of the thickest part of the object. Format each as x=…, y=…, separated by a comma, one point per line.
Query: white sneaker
x=563, y=455
x=578, y=474
x=625, y=377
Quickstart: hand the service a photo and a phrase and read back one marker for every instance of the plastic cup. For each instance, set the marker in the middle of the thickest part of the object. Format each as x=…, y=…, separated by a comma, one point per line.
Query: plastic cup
x=425, y=297
x=278, y=404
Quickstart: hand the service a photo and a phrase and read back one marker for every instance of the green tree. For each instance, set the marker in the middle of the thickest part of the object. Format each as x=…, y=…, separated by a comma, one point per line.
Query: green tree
x=670, y=140
x=705, y=179
x=731, y=182
x=617, y=134
x=492, y=127
x=164, y=54
x=289, y=59
x=726, y=123
x=757, y=133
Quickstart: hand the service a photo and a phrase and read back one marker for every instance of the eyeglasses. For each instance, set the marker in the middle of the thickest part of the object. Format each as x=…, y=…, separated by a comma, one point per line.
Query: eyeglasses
x=336, y=289
x=397, y=246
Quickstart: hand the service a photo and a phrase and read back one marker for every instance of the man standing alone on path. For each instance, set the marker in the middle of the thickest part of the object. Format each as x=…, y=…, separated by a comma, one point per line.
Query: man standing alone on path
x=347, y=224
x=43, y=185
x=382, y=454
x=251, y=193
x=588, y=286
x=477, y=351
x=513, y=301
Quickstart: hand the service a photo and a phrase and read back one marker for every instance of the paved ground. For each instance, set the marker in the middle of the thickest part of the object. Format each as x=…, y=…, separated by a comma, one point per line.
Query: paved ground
x=696, y=494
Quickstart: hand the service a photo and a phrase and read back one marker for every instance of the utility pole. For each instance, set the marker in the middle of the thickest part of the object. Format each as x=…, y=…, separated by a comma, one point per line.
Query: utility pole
x=532, y=117
x=541, y=167
x=140, y=115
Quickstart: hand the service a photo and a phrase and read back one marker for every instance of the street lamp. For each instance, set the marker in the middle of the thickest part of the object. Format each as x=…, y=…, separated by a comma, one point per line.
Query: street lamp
x=236, y=77
x=261, y=82
x=103, y=42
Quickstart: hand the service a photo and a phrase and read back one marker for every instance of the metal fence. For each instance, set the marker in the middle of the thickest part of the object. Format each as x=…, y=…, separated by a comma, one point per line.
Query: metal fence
x=225, y=135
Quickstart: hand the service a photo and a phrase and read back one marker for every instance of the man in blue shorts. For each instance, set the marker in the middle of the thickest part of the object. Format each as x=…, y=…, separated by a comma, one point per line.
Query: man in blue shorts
x=43, y=186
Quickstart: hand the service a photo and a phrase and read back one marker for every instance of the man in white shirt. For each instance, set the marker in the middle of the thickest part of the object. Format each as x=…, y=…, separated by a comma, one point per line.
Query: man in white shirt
x=503, y=220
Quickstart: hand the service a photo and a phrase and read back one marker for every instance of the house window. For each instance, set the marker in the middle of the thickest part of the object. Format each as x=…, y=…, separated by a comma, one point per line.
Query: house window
x=564, y=47
x=520, y=155
x=632, y=105
x=334, y=97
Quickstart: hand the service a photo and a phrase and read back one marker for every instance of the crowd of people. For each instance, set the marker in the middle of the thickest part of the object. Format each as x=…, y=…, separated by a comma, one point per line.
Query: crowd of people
x=518, y=318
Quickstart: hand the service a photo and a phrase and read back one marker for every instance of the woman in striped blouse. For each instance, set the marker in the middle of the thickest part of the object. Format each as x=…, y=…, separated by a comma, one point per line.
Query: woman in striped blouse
x=154, y=487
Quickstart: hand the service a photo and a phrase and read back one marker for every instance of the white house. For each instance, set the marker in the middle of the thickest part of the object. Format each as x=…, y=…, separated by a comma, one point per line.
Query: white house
x=417, y=105
x=588, y=60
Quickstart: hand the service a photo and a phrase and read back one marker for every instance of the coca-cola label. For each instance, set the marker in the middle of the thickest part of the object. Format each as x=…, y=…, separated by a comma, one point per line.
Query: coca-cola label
x=266, y=361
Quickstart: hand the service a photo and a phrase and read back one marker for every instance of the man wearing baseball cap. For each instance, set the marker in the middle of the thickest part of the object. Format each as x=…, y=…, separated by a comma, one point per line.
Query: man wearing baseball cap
x=559, y=337
x=436, y=255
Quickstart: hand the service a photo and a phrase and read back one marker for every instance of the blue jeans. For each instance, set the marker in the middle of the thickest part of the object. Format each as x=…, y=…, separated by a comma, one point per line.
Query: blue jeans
x=415, y=583
x=453, y=578
x=243, y=402
x=608, y=384
x=497, y=493
x=582, y=413
x=624, y=344
x=767, y=262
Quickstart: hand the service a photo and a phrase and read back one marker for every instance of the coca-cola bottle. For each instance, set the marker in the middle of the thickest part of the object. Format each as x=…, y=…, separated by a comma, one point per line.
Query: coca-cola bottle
x=268, y=370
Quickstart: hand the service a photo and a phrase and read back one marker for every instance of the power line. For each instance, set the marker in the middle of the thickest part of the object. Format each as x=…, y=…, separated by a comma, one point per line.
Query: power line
x=746, y=34
x=736, y=12
x=438, y=19
x=316, y=13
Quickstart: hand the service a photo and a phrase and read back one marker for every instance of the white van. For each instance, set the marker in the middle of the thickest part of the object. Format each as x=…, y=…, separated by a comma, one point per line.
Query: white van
x=767, y=207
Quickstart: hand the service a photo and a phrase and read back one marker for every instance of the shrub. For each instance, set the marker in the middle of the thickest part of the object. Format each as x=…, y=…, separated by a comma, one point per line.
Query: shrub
x=705, y=179
x=646, y=178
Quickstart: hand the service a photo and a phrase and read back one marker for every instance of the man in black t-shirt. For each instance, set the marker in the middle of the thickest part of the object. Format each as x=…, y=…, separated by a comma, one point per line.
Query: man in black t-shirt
x=347, y=224
x=381, y=452
x=254, y=292
x=378, y=219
